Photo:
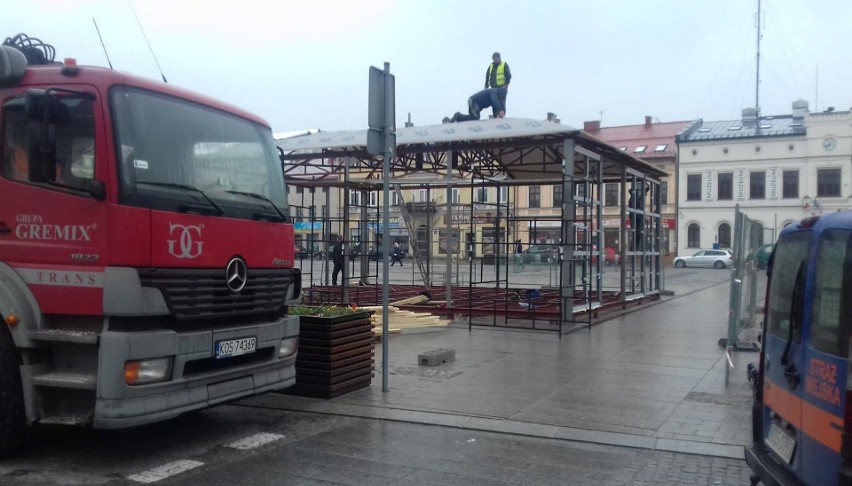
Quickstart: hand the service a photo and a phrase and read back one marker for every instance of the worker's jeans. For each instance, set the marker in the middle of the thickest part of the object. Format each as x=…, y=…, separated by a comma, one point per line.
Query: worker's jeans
x=501, y=99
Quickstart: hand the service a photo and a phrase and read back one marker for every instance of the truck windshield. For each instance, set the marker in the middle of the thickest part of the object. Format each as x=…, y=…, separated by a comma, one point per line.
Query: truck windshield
x=162, y=141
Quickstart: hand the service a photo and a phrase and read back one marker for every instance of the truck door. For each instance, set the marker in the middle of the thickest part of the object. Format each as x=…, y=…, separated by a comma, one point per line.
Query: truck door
x=826, y=358
x=783, y=350
x=54, y=231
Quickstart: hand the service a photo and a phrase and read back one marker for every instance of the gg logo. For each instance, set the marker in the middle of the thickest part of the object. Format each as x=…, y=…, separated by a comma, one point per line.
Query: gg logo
x=187, y=246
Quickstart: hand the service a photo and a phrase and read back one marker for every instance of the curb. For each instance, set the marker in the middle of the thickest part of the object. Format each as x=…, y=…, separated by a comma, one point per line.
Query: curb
x=276, y=401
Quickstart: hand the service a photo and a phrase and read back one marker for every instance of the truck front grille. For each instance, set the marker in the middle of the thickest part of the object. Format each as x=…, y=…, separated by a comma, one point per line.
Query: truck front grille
x=193, y=294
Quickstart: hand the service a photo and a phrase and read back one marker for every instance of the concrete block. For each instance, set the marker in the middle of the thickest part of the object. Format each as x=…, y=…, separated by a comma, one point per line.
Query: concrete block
x=436, y=357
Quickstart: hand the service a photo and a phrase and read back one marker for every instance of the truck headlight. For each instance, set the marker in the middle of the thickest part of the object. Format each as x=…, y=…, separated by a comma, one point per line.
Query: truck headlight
x=147, y=371
x=288, y=347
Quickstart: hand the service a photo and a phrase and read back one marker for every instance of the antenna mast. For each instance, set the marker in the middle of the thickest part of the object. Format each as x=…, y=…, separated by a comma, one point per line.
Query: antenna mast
x=102, y=42
x=757, y=79
x=146, y=41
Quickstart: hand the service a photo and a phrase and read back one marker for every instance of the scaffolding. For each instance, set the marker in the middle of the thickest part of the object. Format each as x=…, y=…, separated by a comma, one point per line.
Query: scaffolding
x=469, y=252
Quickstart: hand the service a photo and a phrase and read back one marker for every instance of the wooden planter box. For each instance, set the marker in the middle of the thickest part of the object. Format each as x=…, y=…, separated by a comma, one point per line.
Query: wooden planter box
x=335, y=355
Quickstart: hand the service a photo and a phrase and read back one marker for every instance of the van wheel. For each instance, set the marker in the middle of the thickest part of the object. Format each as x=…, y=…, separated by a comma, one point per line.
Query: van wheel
x=719, y=264
x=12, y=419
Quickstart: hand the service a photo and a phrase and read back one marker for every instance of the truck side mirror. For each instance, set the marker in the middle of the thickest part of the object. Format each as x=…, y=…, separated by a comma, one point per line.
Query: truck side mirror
x=42, y=152
x=35, y=101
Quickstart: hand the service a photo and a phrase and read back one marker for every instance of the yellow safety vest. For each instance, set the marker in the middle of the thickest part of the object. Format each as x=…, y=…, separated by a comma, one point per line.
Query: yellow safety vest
x=501, y=73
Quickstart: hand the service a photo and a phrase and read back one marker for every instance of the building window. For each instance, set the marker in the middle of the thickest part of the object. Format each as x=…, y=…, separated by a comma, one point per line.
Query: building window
x=828, y=182
x=324, y=210
x=481, y=194
x=661, y=147
x=535, y=196
x=557, y=196
x=757, y=184
x=611, y=195
x=455, y=196
x=725, y=235
x=300, y=190
x=664, y=192
x=693, y=236
x=394, y=198
x=791, y=184
x=504, y=194
x=420, y=195
x=693, y=187
x=354, y=198
x=640, y=149
x=726, y=186
x=374, y=199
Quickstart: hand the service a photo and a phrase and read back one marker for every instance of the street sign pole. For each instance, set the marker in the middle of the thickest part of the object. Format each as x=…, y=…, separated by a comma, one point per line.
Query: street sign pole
x=381, y=140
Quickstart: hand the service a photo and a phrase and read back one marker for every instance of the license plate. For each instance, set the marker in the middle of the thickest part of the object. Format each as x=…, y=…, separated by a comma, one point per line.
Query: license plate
x=781, y=443
x=235, y=347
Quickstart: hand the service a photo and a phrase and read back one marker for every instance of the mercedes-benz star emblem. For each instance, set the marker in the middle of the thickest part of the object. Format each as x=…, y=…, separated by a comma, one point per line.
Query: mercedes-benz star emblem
x=236, y=274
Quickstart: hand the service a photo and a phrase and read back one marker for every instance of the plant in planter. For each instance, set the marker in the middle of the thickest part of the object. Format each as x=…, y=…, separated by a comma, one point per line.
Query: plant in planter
x=335, y=350
x=330, y=311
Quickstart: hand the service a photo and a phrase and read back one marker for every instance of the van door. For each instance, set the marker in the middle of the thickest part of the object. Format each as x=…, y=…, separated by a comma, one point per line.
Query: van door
x=826, y=358
x=783, y=350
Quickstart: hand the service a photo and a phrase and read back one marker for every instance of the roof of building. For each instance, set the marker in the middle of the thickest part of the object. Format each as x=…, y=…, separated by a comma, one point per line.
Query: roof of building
x=647, y=141
x=768, y=126
x=522, y=149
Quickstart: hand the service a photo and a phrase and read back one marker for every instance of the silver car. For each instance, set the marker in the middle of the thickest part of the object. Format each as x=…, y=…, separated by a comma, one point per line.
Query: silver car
x=706, y=258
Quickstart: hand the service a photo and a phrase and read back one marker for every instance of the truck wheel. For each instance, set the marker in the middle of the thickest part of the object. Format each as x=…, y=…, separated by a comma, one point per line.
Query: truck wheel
x=12, y=419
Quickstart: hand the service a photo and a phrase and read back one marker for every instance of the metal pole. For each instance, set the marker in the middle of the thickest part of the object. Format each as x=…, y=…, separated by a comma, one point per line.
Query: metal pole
x=390, y=149
x=448, y=268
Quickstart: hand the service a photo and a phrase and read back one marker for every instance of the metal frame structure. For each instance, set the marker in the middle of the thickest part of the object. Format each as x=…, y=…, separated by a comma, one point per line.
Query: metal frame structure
x=508, y=153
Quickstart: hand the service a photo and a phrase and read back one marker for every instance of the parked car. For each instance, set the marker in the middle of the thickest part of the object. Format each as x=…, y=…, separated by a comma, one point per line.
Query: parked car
x=303, y=253
x=540, y=253
x=761, y=255
x=706, y=258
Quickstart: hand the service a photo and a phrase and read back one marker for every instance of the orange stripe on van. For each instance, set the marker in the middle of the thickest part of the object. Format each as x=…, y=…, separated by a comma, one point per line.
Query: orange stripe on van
x=818, y=424
x=784, y=403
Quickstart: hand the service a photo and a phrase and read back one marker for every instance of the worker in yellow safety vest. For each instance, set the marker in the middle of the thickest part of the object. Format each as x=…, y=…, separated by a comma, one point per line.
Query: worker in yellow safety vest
x=498, y=77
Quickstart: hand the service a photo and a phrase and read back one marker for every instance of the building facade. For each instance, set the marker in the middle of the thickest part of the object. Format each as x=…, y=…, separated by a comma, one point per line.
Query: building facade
x=776, y=169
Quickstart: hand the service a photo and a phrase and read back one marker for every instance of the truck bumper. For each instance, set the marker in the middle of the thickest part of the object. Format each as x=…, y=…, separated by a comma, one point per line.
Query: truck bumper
x=198, y=379
x=770, y=471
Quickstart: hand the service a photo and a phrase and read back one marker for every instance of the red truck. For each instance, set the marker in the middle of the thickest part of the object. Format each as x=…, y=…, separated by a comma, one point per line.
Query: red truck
x=146, y=249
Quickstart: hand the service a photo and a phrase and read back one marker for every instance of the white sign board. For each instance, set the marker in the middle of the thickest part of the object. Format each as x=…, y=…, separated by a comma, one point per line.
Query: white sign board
x=708, y=185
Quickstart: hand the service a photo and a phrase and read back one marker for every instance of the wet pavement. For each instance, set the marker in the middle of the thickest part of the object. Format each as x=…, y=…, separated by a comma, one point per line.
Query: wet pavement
x=652, y=378
x=356, y=451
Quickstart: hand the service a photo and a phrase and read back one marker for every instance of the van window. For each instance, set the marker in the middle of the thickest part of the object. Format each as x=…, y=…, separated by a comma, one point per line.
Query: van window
x=791, y=252
x=832, y=286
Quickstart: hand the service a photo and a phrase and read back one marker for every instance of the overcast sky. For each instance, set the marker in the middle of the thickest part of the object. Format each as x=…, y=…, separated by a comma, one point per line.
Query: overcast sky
x=305, y=64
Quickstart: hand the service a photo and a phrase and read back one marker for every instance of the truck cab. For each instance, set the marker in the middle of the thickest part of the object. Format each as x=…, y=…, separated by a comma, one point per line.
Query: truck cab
x=146, y=250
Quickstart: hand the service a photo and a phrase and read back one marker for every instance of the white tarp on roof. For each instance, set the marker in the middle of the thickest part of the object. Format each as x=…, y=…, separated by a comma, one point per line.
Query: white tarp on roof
x=490, y=129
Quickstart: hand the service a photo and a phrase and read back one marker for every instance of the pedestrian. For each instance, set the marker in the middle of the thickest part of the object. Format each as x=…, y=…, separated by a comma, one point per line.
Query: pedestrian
x=519, y=248
x=337, y=258
x=396, y=254
x=475, y=104
x=498, y=76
